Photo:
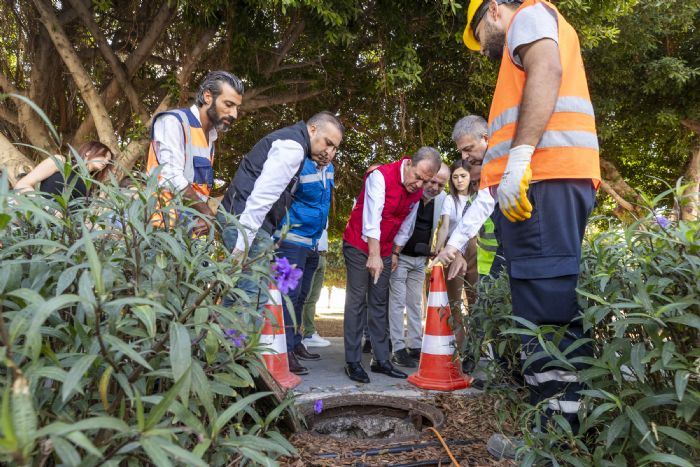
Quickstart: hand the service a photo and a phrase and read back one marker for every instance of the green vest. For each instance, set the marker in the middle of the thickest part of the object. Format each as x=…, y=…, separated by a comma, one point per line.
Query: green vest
x=486, y=245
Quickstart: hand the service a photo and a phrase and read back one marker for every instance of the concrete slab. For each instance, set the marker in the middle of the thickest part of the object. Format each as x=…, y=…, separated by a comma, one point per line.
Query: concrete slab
x=327, y=378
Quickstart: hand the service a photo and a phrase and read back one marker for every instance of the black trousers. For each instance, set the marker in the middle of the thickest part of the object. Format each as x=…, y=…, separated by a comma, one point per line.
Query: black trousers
x=361, y=292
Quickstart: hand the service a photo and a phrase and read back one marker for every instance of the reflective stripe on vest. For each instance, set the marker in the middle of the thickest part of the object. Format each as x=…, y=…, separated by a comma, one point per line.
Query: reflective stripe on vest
x=569, y=145
x=197, y=152
x=486, y=247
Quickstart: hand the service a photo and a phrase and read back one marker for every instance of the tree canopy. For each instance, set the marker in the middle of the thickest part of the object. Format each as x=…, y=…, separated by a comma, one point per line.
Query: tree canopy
x=395, y=71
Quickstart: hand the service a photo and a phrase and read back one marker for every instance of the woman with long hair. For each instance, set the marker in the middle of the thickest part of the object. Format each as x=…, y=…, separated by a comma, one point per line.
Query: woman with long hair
x=51, y=180
x=454, y=207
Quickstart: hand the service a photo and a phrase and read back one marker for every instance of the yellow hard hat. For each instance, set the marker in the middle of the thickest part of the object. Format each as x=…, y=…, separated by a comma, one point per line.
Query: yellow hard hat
x=468, y=37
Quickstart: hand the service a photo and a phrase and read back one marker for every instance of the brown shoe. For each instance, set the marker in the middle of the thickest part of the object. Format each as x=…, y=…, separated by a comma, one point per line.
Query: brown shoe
x=303, y=354
x=294, y=365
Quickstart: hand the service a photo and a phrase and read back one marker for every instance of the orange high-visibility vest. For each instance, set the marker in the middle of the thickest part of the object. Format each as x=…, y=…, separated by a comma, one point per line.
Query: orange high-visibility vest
x=569, y=146
x=199, y=159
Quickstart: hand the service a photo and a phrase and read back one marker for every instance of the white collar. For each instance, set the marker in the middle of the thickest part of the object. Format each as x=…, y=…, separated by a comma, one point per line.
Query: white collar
x=212, y=133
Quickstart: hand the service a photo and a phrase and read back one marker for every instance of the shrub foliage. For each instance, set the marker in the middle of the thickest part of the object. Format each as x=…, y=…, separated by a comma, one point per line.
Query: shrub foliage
x=115, y=348
x=640, y=298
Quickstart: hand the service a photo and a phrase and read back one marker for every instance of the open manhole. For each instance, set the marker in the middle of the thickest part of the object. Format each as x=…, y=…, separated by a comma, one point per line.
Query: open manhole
x=370, y=417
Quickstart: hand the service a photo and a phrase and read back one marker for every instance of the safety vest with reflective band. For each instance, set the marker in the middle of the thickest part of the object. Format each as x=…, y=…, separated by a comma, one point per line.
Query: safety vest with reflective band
x=486, y=246
x=308, y=213
x=569, y=146
x=199, y=156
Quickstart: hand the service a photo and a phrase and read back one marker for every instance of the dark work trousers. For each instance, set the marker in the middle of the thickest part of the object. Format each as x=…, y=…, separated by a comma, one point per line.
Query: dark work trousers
x=362, y=293
x=542, y=259
x=305, y=259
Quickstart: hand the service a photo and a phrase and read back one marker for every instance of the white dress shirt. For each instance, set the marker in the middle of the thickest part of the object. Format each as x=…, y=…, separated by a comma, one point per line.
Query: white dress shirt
x=473, y=219
x=375, y=191
x=283, y=162
x=167, y=131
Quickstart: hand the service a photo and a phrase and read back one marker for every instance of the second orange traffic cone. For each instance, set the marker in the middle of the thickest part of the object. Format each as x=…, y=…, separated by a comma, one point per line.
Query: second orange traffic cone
x=438, y=370
x=273, y=337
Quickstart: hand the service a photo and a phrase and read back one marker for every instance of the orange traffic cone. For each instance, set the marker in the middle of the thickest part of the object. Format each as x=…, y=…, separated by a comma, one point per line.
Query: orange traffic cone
x=273, y=338
x=437, y=369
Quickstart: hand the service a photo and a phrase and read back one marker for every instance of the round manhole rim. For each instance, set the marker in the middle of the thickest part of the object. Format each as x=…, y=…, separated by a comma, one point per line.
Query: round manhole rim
x=406, y=404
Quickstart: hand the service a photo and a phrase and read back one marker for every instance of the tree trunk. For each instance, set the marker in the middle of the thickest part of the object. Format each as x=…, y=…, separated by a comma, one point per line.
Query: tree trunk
x=691, y=195
x=89, y=93
x=132, y=64
x=12, y=160
x=30, y=125
x=625, y=196
x=115, y=64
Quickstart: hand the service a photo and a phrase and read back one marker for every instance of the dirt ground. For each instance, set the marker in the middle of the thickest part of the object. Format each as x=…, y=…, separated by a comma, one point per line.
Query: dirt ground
x=329, y=327
x=470, y=419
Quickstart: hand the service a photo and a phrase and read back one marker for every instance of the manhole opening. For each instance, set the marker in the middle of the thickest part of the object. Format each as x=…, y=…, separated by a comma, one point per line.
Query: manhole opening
x=370, y=417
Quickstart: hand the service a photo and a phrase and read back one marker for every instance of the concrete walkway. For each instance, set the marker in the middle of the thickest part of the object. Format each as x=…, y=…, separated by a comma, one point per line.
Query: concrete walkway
x=327, y=378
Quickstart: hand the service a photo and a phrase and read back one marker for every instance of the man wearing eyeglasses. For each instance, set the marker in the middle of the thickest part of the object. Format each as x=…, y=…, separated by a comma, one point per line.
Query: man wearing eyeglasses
x=383, y=216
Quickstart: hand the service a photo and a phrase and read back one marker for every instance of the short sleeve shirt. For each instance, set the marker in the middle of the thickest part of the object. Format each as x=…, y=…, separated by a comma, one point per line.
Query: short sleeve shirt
x=454, y=210
x=531, y=24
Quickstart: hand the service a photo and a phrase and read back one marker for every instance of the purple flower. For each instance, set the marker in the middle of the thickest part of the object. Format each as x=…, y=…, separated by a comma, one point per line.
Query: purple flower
x=286, y=275
x=663, y=221
x=236, y=337
x=318, y=406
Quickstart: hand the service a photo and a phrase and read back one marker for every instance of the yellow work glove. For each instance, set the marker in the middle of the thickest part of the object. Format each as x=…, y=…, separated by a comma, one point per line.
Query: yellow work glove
x=512, y=191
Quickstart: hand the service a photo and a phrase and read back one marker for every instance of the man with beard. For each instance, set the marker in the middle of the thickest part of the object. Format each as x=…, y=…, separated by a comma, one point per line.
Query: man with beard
x=383, y=215
x=541, y=129
x=262, y=189
x=408, y=274
x=182, y=141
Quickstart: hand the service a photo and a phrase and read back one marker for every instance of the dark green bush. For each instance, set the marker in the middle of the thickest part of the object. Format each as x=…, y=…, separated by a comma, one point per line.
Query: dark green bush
x=114, y=345
x=640, y=295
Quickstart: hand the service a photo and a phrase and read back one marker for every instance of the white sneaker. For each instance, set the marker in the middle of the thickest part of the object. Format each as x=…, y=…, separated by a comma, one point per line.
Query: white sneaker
x=315, y=341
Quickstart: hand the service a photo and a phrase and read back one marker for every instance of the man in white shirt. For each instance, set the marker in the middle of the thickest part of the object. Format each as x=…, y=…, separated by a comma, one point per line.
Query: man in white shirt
x=384, y=215
x=262, y=189
x=182, y=141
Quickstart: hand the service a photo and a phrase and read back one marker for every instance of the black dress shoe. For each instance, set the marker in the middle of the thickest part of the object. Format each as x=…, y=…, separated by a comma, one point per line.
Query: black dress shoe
x=295, y=367
x=401, y=358
x=414, y=354
x=356, y=373
x=367, y=346
x=468, y=365
x=385, y=366
x=303, y=354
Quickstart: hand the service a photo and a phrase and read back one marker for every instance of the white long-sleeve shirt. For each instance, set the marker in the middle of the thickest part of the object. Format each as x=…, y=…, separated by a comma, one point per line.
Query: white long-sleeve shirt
x=473, y=219
x=167, y=131
x=283, y=162
x=375, y=191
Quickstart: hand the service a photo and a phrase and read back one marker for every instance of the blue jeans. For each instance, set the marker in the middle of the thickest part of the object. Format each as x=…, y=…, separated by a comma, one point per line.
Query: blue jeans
x=261, y=243
x=305, y=259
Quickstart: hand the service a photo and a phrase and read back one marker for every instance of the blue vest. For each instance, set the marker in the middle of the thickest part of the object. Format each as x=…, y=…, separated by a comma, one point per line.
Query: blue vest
x=308, y=214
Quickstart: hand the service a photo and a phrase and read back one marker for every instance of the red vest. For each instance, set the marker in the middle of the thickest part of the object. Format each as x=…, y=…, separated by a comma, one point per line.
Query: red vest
x=397, y=204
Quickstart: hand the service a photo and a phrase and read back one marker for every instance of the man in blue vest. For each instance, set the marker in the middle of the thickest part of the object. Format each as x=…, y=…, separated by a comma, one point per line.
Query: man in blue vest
x=307, y=219
x=261, y=191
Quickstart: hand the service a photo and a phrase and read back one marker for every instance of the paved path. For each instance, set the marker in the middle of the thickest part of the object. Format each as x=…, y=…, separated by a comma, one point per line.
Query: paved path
x=327, y=378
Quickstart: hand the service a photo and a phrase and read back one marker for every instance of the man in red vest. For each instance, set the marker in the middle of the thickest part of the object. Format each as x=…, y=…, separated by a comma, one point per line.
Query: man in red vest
x=382, y=217
x=542, y=164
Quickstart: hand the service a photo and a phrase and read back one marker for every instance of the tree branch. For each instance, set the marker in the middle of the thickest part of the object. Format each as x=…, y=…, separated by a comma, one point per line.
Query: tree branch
x=289, y=98
x=115, y=64
x=132, y=64
x=12, y=161
x=87, y=89
x=692, y=125
x=291, y=35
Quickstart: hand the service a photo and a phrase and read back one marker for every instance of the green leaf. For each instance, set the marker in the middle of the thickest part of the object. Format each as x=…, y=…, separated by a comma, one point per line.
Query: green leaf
x=679, y=435
x=74, y=378
x=619, y=426
x=224, y=418
x=66, y=452
x=188, y=458
x=24, y=417
x=638, y=422
x=156, y=454
x=80, y=440
x=8, y=430
x=687, y=319
x=660, y=458
x=93, y=423
x=157, y=413
x=181, y=356
x=681, y=380
x=147, y=315
x=93, y=261
x=66, y=279
x=117, y=344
